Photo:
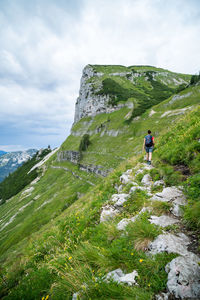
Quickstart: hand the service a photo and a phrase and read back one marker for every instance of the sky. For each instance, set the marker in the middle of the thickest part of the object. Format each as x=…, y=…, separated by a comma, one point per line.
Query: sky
x=45, y=44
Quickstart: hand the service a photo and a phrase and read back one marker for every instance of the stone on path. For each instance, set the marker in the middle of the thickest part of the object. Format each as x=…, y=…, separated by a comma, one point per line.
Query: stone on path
x=159, y=183
x=108, y=213
x=169, y=194
x=134, y=188
x=119, y=277
x=177, y=203
x=163, y=220
x=147, y=180
x=184, y=277
x=170, y=243
x=126, y=177
x=124, y=222
x=119, y=199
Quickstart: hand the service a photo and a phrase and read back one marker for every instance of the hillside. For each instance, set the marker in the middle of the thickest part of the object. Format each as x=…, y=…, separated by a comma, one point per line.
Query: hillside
x=9, y=162
x=52, y=242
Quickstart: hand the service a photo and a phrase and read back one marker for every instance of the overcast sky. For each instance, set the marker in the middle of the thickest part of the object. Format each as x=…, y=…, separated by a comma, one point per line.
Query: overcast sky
x=45, y=44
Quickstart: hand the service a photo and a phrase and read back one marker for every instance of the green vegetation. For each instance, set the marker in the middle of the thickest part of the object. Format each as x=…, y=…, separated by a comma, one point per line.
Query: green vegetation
x=195, y=79
x=21, y=177
x=52, y=243
x=84, y=143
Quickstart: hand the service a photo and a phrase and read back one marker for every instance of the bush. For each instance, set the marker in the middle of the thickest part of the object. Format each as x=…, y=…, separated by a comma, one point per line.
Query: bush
x=84, y=143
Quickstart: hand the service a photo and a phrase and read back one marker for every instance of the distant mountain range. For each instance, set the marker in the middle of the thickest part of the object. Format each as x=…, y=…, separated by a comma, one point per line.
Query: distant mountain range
x=10, y=161
x=2, y=152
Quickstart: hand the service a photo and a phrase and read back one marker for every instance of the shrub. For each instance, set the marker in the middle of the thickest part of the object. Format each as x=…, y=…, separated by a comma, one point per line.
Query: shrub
x=84, y=143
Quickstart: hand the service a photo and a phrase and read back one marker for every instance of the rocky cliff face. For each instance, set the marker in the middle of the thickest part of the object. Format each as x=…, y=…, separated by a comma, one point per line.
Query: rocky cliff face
x=89, y=103
x=104, y=89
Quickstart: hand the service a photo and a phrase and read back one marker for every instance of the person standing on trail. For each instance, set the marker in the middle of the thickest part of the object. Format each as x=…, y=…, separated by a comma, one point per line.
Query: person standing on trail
x=148, y=145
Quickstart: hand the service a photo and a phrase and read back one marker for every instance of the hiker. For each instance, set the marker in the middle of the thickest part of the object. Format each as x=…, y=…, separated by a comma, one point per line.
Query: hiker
x=149, y=145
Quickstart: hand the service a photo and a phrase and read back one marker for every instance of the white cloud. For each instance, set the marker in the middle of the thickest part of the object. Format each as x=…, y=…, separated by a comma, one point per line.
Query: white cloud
x=45, y=46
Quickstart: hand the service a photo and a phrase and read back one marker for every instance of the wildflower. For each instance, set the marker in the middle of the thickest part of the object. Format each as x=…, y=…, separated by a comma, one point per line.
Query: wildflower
x=131, y=253
x=149, y=284
x=70, y=258
x=42, y=298
x=141, y=260
x=47, y=297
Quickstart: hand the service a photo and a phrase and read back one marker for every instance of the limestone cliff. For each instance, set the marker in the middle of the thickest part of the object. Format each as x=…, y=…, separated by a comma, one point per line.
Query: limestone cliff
x=89, y=103
x=104, y=89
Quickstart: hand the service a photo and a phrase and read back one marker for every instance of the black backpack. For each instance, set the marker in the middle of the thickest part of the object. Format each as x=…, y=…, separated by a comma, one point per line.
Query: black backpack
x=148, y=140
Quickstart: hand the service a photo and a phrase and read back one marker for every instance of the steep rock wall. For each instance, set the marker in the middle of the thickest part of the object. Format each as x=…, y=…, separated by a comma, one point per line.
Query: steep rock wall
x=89, y=103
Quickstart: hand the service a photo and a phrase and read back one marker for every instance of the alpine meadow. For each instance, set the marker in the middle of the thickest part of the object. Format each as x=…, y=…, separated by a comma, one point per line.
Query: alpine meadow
x=90, y=219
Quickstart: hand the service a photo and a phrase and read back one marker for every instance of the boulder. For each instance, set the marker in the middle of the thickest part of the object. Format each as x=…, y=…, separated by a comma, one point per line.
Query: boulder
x=108, y=212
x=163, y=221
x=170, y=194
x=170, y=243
x=126, y=178
x=134, y=188
x=124, y=222
x=119, y=277
x=177, y=206
x=159, y=183
x=119, y=199
x=147, y=180
x=184, y=277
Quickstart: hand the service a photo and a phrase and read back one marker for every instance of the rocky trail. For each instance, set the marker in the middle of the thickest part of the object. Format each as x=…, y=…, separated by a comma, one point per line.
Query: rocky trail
x=184, y=270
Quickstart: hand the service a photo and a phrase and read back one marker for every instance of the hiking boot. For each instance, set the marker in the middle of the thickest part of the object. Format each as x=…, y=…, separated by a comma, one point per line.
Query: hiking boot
x=149, y=162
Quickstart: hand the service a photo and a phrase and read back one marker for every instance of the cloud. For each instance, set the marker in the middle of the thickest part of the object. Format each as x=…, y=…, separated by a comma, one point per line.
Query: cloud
x=46, y=44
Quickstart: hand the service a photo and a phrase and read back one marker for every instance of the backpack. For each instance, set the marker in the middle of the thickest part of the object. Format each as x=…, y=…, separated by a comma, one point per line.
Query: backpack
x=148, y=140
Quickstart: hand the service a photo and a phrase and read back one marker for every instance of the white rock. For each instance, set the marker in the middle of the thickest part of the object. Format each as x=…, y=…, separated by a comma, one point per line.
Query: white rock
x=170, y=243
x=162, y=296
x=119, y=199
x=114, y=275
x=119, y=277
x=159, y=182
x=75, y=296
x=147, y=180
x=170, y=194
x=184, y=278
x=152, y=112
x=108, y=213
x=126, y=178
x=163, y=221
x=177, y=206
x=123, y=223
x=134, y=188
x=129, y=171
x=129, y=278
x=28, y=190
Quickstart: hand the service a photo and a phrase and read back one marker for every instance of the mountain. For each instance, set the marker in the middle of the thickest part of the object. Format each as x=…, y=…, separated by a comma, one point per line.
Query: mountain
x=2, y=152
x=23, y=175
x=9, y=162
x=95, y=207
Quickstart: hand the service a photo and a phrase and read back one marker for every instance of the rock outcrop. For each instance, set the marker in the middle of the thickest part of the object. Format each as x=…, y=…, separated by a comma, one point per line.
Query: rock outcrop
x=89, y=103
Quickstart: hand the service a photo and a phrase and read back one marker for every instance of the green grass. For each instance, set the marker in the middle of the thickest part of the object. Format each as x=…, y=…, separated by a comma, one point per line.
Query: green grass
x=58, y=247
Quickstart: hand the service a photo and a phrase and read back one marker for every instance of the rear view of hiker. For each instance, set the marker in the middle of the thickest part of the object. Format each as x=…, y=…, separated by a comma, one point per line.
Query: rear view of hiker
x=149, y=145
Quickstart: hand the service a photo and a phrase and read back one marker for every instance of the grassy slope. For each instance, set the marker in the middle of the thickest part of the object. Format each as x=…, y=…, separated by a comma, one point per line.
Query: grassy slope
x=60, y=189
x=76, y=249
